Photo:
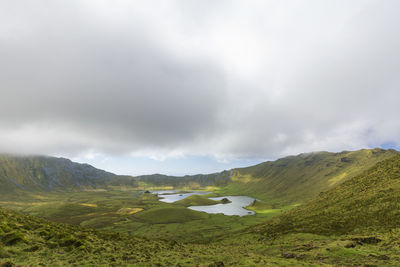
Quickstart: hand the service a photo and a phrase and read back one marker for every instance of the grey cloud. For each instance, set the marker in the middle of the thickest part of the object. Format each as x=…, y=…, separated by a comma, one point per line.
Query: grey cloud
x=236, y=79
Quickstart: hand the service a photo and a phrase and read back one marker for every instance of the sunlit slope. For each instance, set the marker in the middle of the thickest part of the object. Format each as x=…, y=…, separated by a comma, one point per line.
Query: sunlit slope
x=369, y=202
x=299, y=178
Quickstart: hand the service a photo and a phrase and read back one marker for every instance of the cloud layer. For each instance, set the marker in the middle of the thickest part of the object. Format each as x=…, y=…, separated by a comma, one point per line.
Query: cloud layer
x=228, y=79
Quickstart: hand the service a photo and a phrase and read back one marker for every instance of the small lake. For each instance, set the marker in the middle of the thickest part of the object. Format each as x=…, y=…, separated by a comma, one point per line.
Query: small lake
x=234, y=208
x=170, y=197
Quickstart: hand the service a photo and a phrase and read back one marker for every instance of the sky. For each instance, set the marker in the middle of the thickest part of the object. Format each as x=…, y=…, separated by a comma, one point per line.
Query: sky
x=184, y=87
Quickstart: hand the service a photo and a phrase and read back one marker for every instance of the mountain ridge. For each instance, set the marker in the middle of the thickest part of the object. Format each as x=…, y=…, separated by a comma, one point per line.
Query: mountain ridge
x=286, y=180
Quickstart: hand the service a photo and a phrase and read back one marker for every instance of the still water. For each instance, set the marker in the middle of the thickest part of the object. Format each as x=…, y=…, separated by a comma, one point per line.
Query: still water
x=169, y=197
x=234, y=208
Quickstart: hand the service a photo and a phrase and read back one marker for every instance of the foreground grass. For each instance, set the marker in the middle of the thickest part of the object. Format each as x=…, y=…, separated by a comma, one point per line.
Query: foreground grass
x=30, y=241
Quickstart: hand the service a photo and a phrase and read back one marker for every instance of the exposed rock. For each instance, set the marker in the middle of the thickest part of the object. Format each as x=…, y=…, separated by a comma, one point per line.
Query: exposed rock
x=380, y=257
x=350, y=245
x=367, y=240
x=346, y=160
x=217, y=264
x=225, y=201
x=288, y=255
x=300, y=256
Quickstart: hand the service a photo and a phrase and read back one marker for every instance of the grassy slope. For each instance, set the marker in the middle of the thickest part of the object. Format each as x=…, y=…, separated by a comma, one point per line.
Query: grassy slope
x=19, y=174
x=284, y=182
x=170, y=215
x=296, y=179
x=367, y=203
x=29, y=241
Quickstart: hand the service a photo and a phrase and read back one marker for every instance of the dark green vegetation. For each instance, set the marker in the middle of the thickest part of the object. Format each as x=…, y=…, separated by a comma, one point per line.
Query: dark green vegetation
x=198, y=200
x=44, y=174
x=350, y=217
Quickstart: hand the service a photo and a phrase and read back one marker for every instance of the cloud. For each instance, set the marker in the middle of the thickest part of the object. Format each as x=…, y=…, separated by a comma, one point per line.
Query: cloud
x=228, y=79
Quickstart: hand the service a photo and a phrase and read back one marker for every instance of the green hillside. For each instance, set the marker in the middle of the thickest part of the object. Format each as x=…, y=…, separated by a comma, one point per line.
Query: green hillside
x=289, y=180
x=295, y=179
x=188, y=181
x=367, y=203
x=41, y=173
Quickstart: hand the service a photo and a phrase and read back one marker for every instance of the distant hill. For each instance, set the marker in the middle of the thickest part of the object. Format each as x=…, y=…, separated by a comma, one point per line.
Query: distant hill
x=40, y=173
x=190, y=181
x=369, y=202
x=287, y=180
x=302, y=177
x=43, y=173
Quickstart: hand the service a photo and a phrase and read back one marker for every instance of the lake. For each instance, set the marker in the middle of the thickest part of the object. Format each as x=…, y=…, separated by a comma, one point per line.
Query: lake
x=168, y=196
x=234, y=208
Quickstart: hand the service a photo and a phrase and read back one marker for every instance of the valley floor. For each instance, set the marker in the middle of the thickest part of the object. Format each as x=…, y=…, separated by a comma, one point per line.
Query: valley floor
x=134, y=212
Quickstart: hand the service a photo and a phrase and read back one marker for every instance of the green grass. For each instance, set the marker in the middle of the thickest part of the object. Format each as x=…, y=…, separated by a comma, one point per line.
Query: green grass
x=39, y=242
x=261, y=207
x=166, y=215
x=367, y=203
x=296, y=179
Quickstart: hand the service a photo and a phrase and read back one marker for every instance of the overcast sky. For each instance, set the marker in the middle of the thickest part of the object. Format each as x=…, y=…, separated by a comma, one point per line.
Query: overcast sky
x=197, y=86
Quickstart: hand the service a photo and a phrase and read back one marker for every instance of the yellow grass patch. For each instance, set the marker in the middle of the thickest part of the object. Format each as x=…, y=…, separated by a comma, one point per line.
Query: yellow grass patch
x=89, y=205
x=337, y=179
x=129, y=210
